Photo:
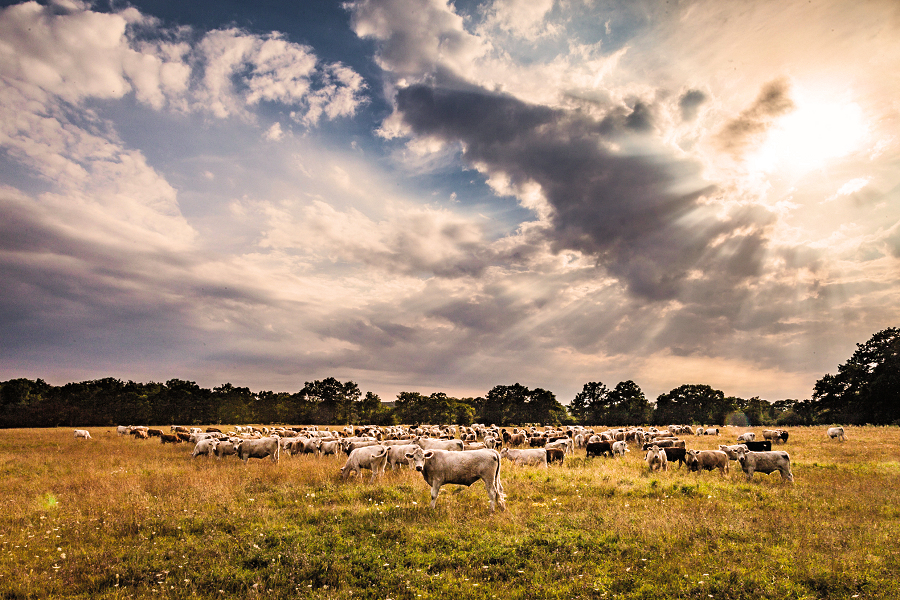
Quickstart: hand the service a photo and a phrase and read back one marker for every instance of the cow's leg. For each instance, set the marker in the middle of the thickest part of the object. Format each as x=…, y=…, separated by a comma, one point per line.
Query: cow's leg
x=435, y=490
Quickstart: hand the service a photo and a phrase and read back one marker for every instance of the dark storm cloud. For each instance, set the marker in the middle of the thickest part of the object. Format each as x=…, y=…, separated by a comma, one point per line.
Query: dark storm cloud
x=773, y=101
x=690, y=102
x=641, y=215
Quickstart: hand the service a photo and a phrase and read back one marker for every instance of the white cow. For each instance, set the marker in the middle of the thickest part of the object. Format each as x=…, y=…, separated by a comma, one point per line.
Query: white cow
x=836, y=433
x=205, y=446
x=373, y=458
x=439, y=467
x=83, y=434
x=397, y=455
x=123, y=430
x=747, y=437
x=261, y=448
x=657, y=459
x=436, y=444
x=620, y=448
x=528, y=456
x=766, y=462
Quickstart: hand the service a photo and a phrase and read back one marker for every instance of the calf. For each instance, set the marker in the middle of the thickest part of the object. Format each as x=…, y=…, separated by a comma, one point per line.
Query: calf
x=555, y=455
x=657, y=459
x=620, y=448
x=439, y=467
x=373, y=458
x=707, y=460
x=766, y=462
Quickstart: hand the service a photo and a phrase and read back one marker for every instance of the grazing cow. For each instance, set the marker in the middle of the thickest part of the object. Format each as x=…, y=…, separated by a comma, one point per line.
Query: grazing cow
x=598, y=449
x=775, y=435
x=675, y=455
x=261, y=448
x=555, y=455
x=747, y=437
x=762, y=446
x=433, y=444
x=836, y=433
x=169, y=438
x=707, y=460
x=711, y=431
x=205, y=446
x=766, y=462
x=529, y=456
x=154, y=432
x=373, y=458
x=182, y=436
x=440, y=467
x=492, y=442
x=620, y=448
x=213, y=430
x=140, y=434
x=732, y=451
x=657, y=459
x=83, y=434
x=123, y=430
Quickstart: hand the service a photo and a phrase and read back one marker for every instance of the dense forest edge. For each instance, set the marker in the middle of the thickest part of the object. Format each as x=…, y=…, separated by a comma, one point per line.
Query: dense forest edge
x=865, y=390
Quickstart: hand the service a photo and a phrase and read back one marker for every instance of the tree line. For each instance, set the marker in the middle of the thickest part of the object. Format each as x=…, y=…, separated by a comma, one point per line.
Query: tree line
x=866, y=389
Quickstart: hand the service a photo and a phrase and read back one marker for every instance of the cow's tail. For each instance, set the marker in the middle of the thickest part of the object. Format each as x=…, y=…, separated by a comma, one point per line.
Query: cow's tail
x=277, y=450
x=499, y=494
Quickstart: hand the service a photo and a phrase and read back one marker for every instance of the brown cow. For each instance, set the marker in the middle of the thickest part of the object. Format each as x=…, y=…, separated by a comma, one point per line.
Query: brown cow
x=707, y=460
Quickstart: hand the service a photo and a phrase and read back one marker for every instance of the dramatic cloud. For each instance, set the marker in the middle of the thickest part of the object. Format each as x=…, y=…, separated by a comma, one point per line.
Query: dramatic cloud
x=425, y=195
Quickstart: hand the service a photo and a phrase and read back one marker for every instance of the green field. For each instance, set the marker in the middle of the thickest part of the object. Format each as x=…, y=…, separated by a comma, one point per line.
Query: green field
x=117, y=518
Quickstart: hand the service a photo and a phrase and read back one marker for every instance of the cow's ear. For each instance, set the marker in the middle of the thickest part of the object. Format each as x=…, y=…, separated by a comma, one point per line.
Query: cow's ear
x=429, y=454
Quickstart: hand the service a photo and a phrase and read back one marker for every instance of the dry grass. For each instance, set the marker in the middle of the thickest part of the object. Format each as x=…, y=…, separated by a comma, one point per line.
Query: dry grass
x=116, y=517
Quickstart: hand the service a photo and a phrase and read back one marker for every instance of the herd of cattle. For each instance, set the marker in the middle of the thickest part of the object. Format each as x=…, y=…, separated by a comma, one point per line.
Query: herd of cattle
x=464, y=455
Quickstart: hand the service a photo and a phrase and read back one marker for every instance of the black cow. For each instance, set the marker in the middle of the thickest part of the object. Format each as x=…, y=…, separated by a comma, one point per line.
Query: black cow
x=598, y=449
x=764, y=446
x=675, y=454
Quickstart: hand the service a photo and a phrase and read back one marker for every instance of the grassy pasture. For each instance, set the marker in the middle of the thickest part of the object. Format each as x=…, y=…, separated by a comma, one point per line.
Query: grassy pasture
x=118, y=518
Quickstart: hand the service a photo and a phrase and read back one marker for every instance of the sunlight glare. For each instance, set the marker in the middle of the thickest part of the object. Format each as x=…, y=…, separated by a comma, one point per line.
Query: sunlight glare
x=809, y=136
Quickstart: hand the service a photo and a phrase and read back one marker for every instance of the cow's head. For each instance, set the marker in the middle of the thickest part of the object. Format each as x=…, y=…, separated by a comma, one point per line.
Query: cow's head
x=691, y=460
x=418, y=457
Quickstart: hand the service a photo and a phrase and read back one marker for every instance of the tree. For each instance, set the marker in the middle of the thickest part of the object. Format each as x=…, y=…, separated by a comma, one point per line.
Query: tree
x=628, y=405
x=336, y=401
x=866, y=389
x=692, y=404
x=590, y=405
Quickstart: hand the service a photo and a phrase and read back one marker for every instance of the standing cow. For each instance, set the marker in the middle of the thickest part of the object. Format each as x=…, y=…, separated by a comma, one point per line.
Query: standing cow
x=261, y=448
x=707, y=460
x=83, y=434
x=439, y=467
x=766, y=462
x=373, y=458
x=657, y=459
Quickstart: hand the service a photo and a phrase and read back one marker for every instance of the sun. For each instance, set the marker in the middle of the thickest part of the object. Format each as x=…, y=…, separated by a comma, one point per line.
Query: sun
x=817, y=131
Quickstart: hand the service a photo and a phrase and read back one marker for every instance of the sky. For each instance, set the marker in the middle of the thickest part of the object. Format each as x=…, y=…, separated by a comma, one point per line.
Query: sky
x=422, y=195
